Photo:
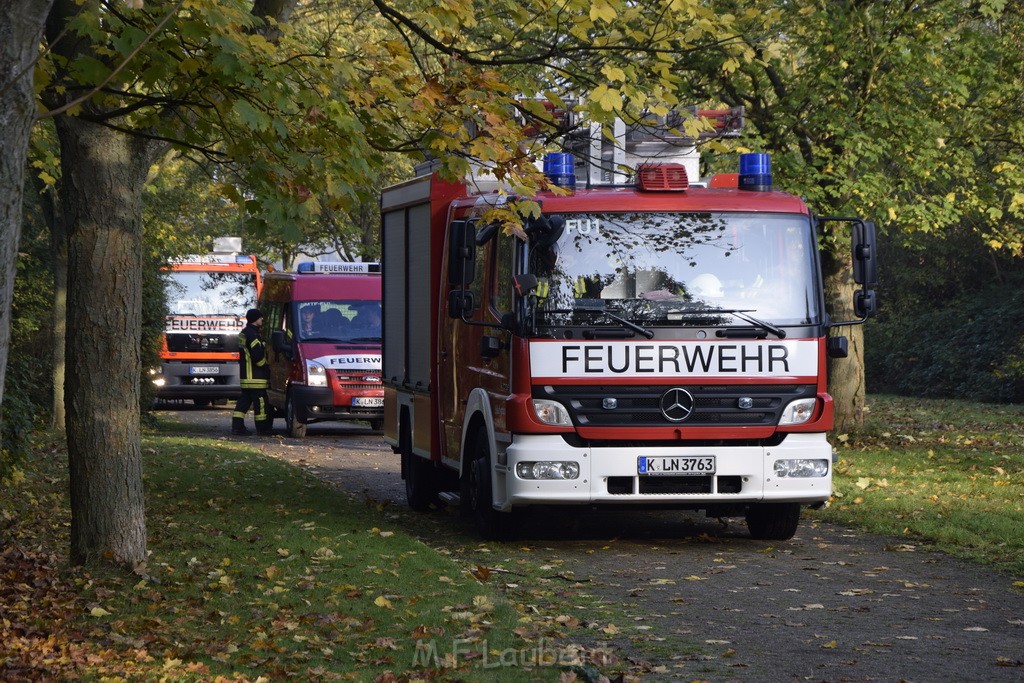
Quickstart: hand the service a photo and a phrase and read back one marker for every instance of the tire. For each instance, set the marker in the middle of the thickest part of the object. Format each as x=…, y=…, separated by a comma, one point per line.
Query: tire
x=201, y=402
x=377, y=425
x=296, y=429
x=420, y=481
x=773, y=521
x=492, y=524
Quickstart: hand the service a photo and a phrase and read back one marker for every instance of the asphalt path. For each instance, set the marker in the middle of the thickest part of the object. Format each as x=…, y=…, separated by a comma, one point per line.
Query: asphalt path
x=702, y=600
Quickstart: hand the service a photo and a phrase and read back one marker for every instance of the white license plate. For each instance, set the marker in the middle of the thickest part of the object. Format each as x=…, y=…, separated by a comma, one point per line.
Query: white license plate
x=204, y=370
x=682, y=465
x=368, y=402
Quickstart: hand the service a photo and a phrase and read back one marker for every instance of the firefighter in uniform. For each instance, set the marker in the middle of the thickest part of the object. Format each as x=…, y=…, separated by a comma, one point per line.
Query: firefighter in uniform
x=254, y=375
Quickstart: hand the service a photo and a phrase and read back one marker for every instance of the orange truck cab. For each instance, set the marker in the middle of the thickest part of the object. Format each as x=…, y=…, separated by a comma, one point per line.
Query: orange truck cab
x=207, y=297
x=323, y=327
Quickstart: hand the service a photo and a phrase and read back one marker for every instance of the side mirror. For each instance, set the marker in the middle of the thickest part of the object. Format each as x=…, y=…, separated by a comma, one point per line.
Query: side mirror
x=490, y=346
x=461, y=253
x=865, y=254
x=460, y=303
x=544, y=231
x=865, y=303
x=524, y=283
x=837, y=347
x=279, y=342
x=486, y=234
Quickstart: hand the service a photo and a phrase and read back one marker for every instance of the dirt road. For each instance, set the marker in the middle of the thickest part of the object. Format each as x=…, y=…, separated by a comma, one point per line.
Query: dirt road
x=702, y=600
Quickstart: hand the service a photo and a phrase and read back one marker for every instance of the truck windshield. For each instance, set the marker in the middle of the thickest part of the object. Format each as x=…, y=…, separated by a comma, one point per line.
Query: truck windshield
x=199, y=293
x=663, y=269
x=339, y=321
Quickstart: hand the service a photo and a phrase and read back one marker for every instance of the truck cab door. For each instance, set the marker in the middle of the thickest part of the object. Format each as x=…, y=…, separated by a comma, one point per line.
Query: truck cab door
x=464, y=361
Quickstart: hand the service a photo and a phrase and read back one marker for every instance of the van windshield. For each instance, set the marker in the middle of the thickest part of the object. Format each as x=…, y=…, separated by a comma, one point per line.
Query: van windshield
x=338, y=321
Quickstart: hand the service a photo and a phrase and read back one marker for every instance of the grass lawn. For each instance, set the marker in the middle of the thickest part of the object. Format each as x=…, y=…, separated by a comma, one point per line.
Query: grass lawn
x=943, y=473
x=256, y=570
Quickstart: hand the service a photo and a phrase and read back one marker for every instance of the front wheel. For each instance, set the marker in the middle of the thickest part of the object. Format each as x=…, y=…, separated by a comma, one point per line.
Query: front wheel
x=296, y=428
x=773, y=521
x=492, y=524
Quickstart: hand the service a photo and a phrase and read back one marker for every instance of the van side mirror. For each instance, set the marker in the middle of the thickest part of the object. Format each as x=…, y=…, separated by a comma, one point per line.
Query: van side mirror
x=461, y=253
x=279, y=342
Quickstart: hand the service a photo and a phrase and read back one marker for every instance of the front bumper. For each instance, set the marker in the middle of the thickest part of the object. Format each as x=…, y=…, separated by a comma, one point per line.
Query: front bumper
x=744, y=474
x=316, y=404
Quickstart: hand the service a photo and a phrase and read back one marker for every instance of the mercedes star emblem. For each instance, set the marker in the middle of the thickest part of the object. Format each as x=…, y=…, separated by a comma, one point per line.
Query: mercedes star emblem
x=676, y=404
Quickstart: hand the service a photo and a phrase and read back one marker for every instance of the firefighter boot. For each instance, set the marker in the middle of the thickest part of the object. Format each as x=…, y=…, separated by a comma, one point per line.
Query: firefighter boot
x=265, y=427
x=238, y=427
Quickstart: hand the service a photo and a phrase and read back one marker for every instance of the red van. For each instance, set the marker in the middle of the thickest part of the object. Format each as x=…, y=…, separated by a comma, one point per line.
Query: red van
x=323, y=325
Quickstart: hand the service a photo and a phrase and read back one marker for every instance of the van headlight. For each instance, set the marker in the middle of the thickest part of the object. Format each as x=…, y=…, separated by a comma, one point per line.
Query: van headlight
x=551, y=412
x=316, y=374
x=798, y=412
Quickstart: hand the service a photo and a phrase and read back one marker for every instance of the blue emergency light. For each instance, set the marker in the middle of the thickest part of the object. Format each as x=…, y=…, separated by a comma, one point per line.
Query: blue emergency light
x=560, y=169
x=755, y=172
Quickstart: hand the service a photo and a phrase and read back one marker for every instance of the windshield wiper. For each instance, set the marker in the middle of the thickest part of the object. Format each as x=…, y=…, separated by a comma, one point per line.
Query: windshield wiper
x=742, y=314
x=622, y=321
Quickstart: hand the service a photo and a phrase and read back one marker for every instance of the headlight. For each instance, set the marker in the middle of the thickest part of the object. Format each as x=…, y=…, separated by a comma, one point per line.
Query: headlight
x=551, y=412
x=316, y=374
x=798, y=412
x=548, y=470
x=801, y=467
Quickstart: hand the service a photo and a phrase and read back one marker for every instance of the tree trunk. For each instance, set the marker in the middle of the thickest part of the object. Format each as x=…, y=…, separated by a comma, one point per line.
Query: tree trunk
x=101, y=195
x=21, y=28
x=845, y=375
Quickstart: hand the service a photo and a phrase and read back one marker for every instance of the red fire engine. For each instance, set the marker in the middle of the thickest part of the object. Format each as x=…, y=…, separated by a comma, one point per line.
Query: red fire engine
x=654, y=340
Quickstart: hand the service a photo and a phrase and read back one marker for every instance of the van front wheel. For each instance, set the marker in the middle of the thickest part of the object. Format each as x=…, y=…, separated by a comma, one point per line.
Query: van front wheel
x=296, y=428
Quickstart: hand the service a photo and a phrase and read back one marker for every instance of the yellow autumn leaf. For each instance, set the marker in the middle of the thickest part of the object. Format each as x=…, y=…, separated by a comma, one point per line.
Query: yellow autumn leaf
x=381, y=601
x=863, y=483
x=602, y=10
x=611, y=629
x=98, y=612
x=607, y=98
x=613, y=73
x=831, y=645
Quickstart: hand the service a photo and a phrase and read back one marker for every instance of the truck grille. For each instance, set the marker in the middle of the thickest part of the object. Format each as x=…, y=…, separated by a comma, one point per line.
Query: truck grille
x=202, y=342
x=638, y=406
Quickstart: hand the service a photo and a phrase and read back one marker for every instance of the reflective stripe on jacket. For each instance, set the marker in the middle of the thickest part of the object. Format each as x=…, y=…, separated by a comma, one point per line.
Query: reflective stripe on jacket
x=254, y=370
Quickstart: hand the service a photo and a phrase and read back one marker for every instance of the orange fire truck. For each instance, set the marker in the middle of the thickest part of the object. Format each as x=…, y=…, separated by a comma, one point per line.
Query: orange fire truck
x=654, y=340
x=207, y=297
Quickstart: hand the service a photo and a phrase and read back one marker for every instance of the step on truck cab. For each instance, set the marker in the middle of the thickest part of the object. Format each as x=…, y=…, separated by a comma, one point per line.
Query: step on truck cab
x=207, y=297
x=323, y=329
x=653, y=340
